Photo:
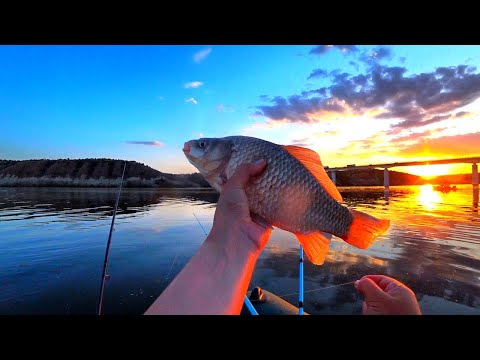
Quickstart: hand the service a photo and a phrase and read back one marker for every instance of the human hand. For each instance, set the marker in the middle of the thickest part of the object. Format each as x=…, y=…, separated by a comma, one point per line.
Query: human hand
x=386, y=296
x=233, y=212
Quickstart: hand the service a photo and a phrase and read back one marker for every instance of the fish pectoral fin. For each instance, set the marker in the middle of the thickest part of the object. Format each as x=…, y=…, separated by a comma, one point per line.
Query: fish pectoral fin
x=311, y=160
x=315, y=245
x=261, y=221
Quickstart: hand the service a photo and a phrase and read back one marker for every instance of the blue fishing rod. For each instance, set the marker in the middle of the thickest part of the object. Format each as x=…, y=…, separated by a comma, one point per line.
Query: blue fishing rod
x=105, y=262
x=300, y=283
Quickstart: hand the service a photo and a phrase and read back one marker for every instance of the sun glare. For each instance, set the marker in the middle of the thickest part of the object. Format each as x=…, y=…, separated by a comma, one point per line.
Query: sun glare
x=428, y=197
x=430, y=170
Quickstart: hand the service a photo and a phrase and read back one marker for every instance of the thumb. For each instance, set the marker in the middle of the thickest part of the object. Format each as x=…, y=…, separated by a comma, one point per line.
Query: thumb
x=370, y=290
x=244, y=172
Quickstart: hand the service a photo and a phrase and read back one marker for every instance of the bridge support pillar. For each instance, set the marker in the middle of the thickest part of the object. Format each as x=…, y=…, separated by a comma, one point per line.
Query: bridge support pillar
x=474, y=174
x=333, y=176
x=386, y=179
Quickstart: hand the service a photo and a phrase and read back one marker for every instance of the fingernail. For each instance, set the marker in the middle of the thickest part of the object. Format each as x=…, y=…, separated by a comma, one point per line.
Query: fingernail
x=259, y=162
x=356, y=283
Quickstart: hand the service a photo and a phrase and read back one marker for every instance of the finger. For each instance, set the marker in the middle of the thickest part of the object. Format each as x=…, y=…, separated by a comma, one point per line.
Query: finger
x=383, y=281
x=244, y=172
x=364, y=308
x=370, y=289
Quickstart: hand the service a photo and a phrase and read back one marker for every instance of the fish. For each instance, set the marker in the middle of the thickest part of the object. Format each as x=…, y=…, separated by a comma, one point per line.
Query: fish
x=293, y=193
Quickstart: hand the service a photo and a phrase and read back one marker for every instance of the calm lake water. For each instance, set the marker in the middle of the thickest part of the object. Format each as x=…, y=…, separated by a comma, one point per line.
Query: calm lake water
x=52, y=245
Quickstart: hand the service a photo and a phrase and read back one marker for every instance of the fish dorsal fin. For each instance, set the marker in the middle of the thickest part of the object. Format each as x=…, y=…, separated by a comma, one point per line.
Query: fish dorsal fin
x=311, y=160
x=316, y=246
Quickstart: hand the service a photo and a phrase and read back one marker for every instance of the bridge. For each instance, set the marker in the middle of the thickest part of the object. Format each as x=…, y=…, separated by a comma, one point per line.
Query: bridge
x=470, y=160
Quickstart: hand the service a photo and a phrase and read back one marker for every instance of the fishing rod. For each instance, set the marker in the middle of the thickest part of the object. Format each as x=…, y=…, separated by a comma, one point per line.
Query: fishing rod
x=300, y=283
x=105, y=262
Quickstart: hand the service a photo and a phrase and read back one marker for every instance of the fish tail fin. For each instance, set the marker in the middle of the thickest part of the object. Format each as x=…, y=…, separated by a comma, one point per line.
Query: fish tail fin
x=315, y=246
x=364, y=229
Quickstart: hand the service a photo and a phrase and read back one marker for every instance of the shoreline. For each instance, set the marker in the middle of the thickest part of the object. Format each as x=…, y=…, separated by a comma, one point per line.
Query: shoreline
x=105, y=187
x=345, y=187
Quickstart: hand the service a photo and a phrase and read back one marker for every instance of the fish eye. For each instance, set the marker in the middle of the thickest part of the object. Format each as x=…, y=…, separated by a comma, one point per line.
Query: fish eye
x=202, y=144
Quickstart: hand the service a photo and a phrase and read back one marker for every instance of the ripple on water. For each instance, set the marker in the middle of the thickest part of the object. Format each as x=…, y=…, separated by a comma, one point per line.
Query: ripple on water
x=52, y=243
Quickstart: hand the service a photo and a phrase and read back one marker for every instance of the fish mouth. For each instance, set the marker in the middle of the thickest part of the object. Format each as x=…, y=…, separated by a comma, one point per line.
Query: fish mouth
x=186, y=148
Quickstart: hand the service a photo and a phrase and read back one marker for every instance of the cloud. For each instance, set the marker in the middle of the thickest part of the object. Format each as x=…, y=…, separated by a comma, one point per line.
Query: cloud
x=304, y=142
x=323, y=49
x=452, y=146
x=374, y=56
x=317, y=73
x=222, y=108
x=305, y=145
x=264, y=97
x=201, y=55
x=264, y=125
x=149, y=143
x=161, y=98
x=354, y=64
x=415, y=100
x=462, y=114
x=193, y=84
x=192, y=100
x=367, y=56
x=412, y=136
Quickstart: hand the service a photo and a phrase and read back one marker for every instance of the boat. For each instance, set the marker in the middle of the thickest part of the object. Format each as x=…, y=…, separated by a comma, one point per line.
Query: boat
x=263, y=302
x=445, y=188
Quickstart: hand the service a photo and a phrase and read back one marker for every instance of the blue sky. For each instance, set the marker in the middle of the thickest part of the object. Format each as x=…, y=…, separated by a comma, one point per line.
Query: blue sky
x=107, y=101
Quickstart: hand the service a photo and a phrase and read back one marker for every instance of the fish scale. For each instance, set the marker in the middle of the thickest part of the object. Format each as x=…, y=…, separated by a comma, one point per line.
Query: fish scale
x=293, y=192
x=284, y=182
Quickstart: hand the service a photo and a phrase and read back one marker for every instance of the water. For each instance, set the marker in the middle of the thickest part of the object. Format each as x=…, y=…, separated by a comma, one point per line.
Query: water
x=52, y=244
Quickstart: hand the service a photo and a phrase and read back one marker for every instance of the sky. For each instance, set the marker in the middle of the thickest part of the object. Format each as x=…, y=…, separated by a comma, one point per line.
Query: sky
x=353, y=104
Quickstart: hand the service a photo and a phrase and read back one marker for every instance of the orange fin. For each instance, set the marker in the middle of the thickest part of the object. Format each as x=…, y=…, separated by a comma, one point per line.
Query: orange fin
x=315, y=246
x=364, y=229
x=311, y=160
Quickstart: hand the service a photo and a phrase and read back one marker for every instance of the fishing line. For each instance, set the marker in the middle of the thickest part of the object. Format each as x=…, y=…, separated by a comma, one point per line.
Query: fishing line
x=320, y=289
x=171, y=266
x=330, y=287
x=355, y=303
x=176, y=254
x=200, y=224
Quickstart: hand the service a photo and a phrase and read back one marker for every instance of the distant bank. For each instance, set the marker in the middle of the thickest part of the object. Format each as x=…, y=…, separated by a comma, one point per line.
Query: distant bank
x=107, y=173
x=91, y=173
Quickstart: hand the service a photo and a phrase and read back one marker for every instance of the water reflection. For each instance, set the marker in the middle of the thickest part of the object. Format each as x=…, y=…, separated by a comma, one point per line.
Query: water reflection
x=52, y=243
x=428, y=197
x=90, y=204
x=475, y=198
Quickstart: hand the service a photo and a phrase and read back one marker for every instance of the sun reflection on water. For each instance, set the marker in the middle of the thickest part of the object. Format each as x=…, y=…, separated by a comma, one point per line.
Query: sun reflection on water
x=428, y=197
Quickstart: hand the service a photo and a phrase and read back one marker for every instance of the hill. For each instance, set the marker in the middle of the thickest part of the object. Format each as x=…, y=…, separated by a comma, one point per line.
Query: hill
x=107, y=173
x=374, y=177
x=90, y=173
x=452, y=179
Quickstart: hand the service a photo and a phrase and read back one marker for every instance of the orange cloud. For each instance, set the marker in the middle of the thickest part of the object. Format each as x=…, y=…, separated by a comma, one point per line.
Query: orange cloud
x=456, y=145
